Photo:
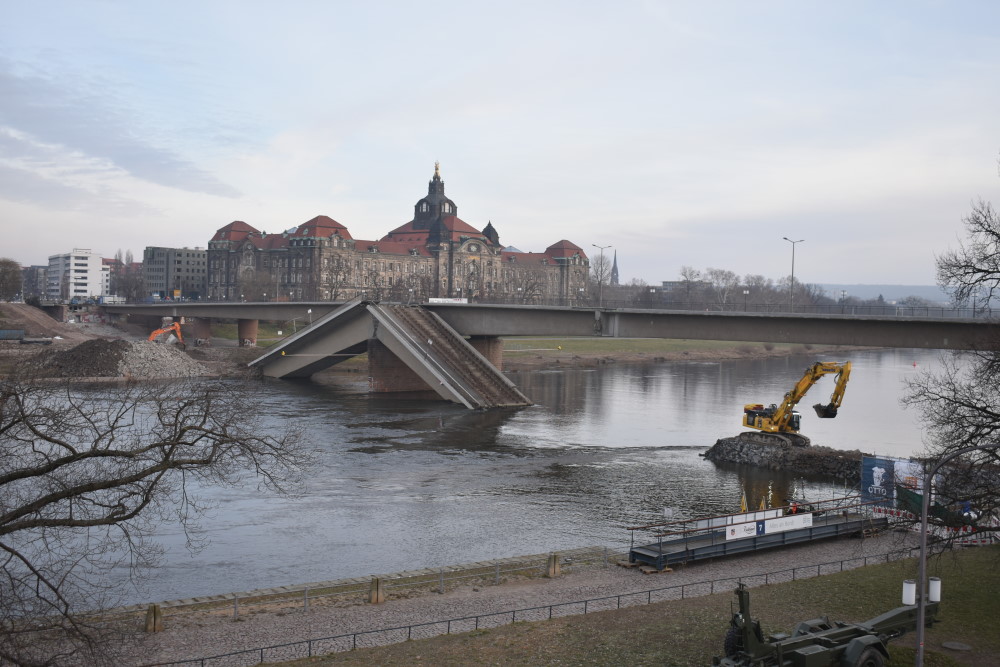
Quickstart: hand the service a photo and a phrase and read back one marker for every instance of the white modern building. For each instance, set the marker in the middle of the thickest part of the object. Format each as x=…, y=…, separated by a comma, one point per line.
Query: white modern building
x=80, y=274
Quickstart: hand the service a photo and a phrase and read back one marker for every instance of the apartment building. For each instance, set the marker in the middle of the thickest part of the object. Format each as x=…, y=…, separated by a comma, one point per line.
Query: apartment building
x=80, y=274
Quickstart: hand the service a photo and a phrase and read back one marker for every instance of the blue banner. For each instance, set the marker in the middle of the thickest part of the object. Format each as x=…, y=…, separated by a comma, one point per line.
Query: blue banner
x=877, y=480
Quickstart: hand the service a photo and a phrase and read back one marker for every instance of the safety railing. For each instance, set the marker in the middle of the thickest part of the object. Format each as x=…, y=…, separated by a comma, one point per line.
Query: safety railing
x=385, y=636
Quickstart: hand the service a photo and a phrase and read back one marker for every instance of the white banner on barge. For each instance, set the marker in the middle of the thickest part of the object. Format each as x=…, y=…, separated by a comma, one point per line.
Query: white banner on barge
x=777, y=524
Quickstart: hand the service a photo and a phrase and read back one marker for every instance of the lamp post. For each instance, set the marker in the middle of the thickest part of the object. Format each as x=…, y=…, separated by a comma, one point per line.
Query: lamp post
x=922, y=569
x=791, y=285
x=600, y=275
x=746, y=295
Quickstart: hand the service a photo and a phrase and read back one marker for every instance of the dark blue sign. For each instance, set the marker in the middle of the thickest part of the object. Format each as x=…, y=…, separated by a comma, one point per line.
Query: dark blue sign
x=877, y=480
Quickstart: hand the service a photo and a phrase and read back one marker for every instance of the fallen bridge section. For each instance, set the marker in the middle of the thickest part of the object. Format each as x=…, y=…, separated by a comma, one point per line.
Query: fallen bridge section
x=429, y=349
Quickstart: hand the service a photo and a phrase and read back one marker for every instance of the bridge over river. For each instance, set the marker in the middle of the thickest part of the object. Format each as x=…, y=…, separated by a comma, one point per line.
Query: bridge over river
x=442, y=346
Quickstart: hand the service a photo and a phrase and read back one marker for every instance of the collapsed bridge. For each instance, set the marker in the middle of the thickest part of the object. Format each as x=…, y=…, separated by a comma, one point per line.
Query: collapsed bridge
x=409, y=349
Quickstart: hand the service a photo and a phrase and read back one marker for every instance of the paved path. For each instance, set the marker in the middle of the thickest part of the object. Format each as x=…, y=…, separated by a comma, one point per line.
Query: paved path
x=203, y=635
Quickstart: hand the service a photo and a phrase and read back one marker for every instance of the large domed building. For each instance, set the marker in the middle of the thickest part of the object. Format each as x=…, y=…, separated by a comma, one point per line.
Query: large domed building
x=434, y=255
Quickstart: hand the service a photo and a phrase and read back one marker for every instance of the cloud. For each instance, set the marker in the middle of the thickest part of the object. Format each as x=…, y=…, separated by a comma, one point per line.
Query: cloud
x=54, y=114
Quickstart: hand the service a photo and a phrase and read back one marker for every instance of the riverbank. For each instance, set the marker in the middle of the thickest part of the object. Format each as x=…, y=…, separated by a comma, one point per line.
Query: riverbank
x=204, y=634
x=521, y=354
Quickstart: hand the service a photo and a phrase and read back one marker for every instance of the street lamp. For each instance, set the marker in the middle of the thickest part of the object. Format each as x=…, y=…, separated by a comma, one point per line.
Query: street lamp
x=600, y=275
x=791, y=285
x=746, y=295
x=922, y=569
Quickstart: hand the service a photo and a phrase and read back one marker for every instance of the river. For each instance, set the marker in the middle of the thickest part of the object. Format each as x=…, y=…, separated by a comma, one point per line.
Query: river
x=412, y=484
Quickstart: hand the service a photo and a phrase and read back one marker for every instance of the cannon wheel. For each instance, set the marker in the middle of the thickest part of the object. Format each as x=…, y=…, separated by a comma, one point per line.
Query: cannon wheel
x=733, y=643
x=871, y=657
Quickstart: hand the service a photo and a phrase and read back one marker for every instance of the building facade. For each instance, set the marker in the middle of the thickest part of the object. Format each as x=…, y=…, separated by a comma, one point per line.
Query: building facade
x=79, y=275
x=436, y=254
x=175, y=272
x=33, y=282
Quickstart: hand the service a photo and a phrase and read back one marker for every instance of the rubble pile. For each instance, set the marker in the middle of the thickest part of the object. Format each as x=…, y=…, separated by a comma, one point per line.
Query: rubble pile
x=118, y=358
x=820, y=461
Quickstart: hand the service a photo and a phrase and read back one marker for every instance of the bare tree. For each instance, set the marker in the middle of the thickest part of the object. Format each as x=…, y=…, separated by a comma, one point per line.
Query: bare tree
x=691, y=277
x=960, y=404
x=86, y=476
x=973, y=271
x=529, y=285
x=335, y=278
x=10, y=278
x=724, y=284
x=255, y=285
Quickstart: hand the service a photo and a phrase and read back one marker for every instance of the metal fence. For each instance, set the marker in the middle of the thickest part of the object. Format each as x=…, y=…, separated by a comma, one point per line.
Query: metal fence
x=386, y=636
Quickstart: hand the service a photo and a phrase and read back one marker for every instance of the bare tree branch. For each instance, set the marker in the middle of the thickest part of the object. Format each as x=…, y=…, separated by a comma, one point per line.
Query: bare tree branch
x=86, y=475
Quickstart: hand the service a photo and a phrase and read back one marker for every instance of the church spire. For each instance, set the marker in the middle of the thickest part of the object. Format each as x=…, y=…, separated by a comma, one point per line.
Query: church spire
x=614, y=269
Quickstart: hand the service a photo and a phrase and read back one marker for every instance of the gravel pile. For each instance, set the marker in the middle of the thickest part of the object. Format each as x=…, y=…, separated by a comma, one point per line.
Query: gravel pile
x=118, y=358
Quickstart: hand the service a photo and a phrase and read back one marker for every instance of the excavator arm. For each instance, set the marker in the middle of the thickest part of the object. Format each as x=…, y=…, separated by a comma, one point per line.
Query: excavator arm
x=782, y=418
x=829, y=410
x=174, y=328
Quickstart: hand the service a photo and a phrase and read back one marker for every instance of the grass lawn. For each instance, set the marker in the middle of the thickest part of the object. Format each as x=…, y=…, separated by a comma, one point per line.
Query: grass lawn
x=690, y=632
x=648, y=346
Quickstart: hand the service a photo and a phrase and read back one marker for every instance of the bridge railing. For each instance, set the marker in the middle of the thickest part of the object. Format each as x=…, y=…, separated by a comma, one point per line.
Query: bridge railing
x=848, y=310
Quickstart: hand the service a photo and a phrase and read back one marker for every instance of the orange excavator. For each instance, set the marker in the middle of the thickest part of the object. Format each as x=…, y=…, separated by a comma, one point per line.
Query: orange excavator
x=173, y=328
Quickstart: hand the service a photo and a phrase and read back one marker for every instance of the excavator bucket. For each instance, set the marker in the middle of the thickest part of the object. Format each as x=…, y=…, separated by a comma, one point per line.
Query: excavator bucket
x=825, y=411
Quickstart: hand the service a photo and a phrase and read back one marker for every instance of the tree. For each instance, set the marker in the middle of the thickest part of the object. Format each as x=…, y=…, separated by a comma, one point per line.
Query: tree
x=724, y=283
x=85, y=477
x=10, y=279
x=973, y=271
x=692, y=280
x=960, y=405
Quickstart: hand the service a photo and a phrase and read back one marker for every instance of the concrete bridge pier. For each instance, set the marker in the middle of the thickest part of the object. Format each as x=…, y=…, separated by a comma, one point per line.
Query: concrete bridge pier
x=490, y=347
x=387, y=373
x=201, y=329
x=246, y=332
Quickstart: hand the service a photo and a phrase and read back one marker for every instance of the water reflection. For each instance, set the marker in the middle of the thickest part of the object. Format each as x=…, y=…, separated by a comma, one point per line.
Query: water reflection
x=413, y=483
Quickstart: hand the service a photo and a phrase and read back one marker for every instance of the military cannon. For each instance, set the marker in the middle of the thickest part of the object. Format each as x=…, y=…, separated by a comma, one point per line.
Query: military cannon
x=817, y=642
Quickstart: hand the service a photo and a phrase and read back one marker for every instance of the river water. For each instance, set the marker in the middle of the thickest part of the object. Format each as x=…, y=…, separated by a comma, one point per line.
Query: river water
x=406, y=484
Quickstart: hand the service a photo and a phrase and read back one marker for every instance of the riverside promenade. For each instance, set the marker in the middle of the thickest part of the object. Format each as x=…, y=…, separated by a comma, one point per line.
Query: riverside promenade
x=195, y=635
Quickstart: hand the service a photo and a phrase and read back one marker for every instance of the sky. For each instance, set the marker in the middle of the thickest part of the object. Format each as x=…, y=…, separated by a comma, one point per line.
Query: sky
x=696, y=133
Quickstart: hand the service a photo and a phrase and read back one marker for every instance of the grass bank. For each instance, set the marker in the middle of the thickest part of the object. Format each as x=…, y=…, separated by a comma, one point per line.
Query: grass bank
x=690, y=632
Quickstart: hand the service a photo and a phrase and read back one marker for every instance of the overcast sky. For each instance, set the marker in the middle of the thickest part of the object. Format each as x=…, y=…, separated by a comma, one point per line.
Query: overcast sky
x=680, y=133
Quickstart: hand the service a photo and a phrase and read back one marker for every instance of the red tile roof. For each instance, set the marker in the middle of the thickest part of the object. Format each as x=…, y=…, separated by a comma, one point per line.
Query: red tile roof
x=321, y=227
x=393, y=247
x=234, y=231
x=564, y=248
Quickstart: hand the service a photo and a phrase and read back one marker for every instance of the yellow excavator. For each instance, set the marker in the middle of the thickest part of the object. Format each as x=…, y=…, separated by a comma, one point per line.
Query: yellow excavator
x=779, y=424
x=172, y=328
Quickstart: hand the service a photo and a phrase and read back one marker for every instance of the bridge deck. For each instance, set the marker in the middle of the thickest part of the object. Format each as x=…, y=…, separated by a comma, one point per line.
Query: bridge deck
x=664, y=553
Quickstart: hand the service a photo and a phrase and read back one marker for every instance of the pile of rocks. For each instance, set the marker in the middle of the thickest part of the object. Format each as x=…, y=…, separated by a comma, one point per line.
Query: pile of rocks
x=118, y=358
x=820, y=461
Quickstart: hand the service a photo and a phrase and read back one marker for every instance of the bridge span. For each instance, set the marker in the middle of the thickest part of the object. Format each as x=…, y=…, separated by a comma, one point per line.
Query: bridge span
x=456, y=350
x=518, y=320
